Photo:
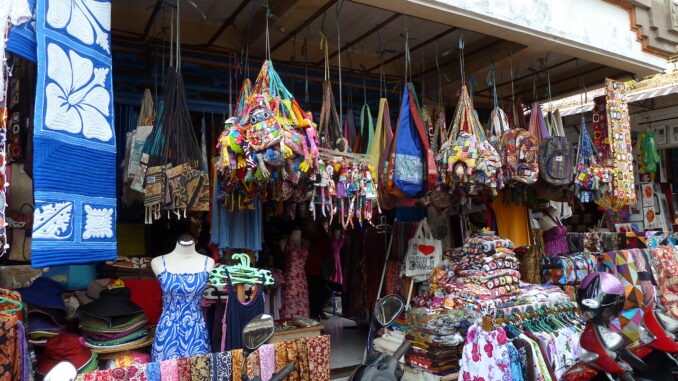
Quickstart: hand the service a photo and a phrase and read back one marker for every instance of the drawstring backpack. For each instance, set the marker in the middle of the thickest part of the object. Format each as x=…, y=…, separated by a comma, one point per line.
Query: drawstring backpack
x=413, y=167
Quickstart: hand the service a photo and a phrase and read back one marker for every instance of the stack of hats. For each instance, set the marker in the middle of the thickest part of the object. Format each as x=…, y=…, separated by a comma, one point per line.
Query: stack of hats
x=46, y=314
x=112, y=322
x=70, y=348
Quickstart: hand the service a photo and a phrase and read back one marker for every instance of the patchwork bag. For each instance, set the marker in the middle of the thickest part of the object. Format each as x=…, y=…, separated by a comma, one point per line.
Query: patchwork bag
x=520, y=156
x=569, y=269
x=498, y=125
x=467, y=155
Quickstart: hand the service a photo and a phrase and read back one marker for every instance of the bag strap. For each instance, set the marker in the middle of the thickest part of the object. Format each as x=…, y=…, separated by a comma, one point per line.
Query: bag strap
x=367, y=131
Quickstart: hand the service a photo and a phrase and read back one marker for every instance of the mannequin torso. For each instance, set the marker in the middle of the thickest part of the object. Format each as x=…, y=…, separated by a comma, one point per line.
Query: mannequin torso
x=549, y=219
x=183, y=259
x=294, y=239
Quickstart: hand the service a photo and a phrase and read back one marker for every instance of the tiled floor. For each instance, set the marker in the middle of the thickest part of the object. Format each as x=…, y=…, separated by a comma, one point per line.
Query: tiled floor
x=347, y=343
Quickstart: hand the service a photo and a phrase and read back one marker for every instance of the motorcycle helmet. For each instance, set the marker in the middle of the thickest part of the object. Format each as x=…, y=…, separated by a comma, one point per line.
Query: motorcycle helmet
x=601, y=296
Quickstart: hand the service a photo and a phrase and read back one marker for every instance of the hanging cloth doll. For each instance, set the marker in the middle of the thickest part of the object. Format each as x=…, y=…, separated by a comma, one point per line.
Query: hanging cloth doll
x=649, y=153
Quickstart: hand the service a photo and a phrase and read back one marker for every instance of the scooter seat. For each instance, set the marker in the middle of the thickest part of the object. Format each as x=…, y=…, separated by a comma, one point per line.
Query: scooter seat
x=669, y=323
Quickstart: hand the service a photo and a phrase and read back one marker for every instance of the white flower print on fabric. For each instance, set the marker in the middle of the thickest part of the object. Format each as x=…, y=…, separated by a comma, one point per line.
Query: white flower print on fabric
x=87, y=20
x=98, y=223
x=77, y=100
x=53, y=221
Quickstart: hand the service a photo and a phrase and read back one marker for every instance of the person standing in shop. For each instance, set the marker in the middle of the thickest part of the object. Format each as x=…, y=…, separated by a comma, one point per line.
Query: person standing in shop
x=318, y=267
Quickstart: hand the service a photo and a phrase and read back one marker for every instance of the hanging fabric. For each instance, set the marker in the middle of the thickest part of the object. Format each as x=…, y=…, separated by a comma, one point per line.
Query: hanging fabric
x=75, y=205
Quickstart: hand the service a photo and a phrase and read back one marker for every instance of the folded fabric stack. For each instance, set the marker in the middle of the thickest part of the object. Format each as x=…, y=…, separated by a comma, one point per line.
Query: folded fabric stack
x=481, y=275
x=113, y=322
x=46, y=311
x=437, y=338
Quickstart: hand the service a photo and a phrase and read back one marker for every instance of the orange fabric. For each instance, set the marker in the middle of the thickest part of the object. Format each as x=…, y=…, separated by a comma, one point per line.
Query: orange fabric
x=512, y=221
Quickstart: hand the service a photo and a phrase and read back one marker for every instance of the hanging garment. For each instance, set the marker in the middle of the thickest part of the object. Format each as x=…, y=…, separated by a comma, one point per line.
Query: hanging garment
x=75, y=206
x=10, y=364
x=181, y=330
x=235, y=229
x=239, y=314
x=555, y=239
x=485, y=356
x=512, y=221
x=295, y=292
x=337, y=244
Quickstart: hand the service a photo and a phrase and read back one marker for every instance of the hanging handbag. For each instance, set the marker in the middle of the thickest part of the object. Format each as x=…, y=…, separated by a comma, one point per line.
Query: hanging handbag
x=379, y=152
x=556, y=157
x=424, y=252
x=411, y=155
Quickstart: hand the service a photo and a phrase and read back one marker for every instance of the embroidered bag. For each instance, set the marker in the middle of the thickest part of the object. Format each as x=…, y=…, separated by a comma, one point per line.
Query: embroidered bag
x=519, y=152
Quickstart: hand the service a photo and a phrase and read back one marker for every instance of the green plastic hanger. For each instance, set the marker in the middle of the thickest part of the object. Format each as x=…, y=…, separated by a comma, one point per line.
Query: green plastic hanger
x=19, y=305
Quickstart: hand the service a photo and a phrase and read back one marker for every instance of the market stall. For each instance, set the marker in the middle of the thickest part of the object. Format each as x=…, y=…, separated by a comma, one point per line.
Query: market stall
x=163, y=191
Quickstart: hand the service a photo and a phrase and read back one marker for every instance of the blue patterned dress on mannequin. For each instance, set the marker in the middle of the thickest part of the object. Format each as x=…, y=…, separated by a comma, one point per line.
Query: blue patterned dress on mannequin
x=181, y=331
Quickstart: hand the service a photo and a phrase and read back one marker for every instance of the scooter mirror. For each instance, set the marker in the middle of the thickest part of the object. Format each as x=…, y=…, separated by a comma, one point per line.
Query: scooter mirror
x=258, y=331
x=388, y=309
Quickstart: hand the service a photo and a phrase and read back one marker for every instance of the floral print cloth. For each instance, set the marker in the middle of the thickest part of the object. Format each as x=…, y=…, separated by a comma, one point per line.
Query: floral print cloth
x=665, y=264
x=485, y=356
x=295, y=291
x=319, y=357
x=267, y=361
x=184, y=369
x=153, y=371
x=169, y=370
x=200, y=367
x=10, y=364
x=221, y=365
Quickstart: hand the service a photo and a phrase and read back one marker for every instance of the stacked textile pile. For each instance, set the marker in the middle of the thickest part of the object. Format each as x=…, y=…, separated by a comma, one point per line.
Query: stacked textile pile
x=437, y=339
x=113, y=322
x=46, y=310
x=392, y=337
x=482, y=275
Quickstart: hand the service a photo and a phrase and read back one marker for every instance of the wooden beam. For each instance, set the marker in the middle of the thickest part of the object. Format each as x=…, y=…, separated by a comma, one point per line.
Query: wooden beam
x=362, y=36
x=151, y=18
x=303, y=25
x=227, y=22
x=416, y=47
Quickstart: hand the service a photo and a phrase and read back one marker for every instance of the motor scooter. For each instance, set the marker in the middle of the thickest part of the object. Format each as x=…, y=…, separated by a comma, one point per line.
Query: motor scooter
x=383, y=367
x=255, y=334
x=601, y=298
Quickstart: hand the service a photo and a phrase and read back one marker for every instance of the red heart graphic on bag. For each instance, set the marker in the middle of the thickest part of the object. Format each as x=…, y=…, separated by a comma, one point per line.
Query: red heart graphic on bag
x=426, y=249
